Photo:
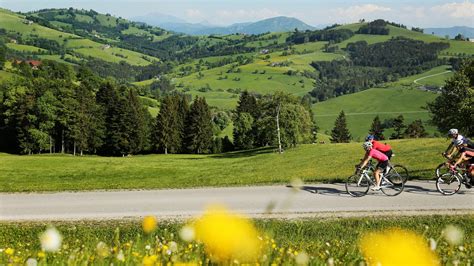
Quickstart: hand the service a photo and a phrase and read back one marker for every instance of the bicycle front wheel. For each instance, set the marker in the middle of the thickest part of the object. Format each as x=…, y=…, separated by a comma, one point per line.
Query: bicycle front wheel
x=357, y=185
x=442, y=169
x=401, y=171
x=393, y=184
x=448, y=184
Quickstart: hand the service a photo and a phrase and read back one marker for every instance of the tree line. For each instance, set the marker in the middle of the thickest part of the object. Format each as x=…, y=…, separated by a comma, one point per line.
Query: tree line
x=341, y=134
x=56, y=109
x=374, y=64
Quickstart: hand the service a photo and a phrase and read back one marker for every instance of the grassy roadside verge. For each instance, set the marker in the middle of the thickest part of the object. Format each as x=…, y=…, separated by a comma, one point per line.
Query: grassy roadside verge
x=311, y=163
x=322, y=240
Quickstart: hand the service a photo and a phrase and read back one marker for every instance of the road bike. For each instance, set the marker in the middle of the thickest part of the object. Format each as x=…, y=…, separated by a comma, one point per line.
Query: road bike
x=449, y=183
x=443, y=168
x=392, y=182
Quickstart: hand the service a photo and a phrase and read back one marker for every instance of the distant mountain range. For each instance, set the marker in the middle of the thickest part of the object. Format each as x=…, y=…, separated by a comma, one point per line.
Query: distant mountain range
x=452, y=31
x=276, y=24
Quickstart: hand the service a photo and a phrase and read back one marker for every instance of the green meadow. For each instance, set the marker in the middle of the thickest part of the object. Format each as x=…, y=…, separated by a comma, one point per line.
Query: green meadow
x=310, y=162
x=361, y=108
x=322, y=240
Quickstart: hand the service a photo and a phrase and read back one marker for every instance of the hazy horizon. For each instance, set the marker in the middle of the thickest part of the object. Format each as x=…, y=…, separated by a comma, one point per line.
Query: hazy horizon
x=425, y=13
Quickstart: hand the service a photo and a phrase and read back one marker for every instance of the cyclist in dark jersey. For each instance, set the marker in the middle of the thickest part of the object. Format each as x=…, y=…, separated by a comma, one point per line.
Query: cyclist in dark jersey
x=466, y=152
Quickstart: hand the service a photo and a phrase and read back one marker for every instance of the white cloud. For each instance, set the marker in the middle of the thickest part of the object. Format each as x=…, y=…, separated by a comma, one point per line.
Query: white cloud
x=241, y=15
x=412, y=11
x=358, y=11
x=455, y=10
x=194, y=14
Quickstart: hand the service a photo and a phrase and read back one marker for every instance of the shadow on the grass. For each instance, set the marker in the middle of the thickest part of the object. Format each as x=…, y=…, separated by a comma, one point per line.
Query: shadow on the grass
x=242, y=154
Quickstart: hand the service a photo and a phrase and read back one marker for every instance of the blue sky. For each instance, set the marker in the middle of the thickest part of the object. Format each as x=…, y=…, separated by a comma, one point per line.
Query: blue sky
x=424, y=13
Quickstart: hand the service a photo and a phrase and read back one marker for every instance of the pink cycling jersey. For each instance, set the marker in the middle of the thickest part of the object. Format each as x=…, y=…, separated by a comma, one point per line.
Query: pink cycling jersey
x=377, y=155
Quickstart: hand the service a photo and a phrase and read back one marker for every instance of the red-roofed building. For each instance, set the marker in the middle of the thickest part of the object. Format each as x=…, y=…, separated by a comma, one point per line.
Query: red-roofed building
x=34, y=64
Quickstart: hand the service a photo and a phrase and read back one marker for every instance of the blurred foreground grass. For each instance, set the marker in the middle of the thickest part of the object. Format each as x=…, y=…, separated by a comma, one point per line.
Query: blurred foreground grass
x=307, y=241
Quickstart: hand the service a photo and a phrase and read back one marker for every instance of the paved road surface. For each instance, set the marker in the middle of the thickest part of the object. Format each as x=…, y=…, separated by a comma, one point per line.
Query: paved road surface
x=442, y=73
x=318, y=200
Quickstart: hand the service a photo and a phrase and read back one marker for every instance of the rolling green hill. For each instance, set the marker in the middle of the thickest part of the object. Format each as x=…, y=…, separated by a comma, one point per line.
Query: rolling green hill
x=76, y=46
x=361, y=108
x=219, y=67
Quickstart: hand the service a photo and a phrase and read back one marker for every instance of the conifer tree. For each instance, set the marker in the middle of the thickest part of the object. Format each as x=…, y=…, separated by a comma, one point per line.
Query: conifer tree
x=377, y=129
x=183, y=112
x=340, y=133
x=167, y=130
x=416, y=130
x=115, y=137
x=199, y=127
x=398, y=127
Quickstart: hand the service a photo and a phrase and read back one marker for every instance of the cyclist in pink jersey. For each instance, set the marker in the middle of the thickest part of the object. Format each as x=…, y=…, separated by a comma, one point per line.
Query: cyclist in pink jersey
x=377, y=155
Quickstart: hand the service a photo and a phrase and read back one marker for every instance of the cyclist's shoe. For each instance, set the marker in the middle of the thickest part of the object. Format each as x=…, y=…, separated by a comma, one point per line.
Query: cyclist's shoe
x=468, y=186
x=375, y=188
x=384, y=184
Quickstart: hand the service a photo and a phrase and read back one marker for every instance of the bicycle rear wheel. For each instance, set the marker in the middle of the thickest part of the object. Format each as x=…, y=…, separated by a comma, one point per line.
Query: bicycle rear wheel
x=448, y=184
x=357, y=185
x=394, y=184
x=401, y=171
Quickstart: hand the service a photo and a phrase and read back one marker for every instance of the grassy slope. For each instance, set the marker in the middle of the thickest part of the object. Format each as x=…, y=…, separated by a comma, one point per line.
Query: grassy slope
x=25, y=48
x=312, y=163
x=362, y=107
x=14, y=22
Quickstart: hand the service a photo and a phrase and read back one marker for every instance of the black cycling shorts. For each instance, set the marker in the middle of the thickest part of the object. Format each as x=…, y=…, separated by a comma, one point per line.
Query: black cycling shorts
x=382, y=165
x=389, y=154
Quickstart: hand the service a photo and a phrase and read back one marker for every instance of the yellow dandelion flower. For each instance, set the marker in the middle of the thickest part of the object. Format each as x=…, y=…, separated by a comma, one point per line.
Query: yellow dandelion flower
x=415, y=250
x=9, y=251
x=102, y=249
x=41, y=254
x=227, y=236
x=186, y=264
x=149, y=260
x=149, y=224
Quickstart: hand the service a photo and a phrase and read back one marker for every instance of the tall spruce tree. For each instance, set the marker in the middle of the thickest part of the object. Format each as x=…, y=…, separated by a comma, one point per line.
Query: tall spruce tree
x=398, y=127
x=138, y=123
x=199, y=133
x=340, y=133
x=116, y=138
x=416, y=130
x=183, y=112
x=167, y=128
x=377, y=129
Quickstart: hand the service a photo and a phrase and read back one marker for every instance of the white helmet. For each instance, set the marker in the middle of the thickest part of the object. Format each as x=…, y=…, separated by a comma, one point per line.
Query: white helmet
x=367, y=145
x=452, y=132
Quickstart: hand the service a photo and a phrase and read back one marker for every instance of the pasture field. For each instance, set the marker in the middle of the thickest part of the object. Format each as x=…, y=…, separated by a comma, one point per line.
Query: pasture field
x=4, y=75
x=362, y=107
x=15, y=22
x=25, y=48
x=320, y=240
x=437, y=80
x=310, y=162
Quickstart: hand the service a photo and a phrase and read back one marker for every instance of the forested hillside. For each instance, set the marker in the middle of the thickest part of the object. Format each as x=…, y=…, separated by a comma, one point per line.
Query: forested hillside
x=83, y=82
